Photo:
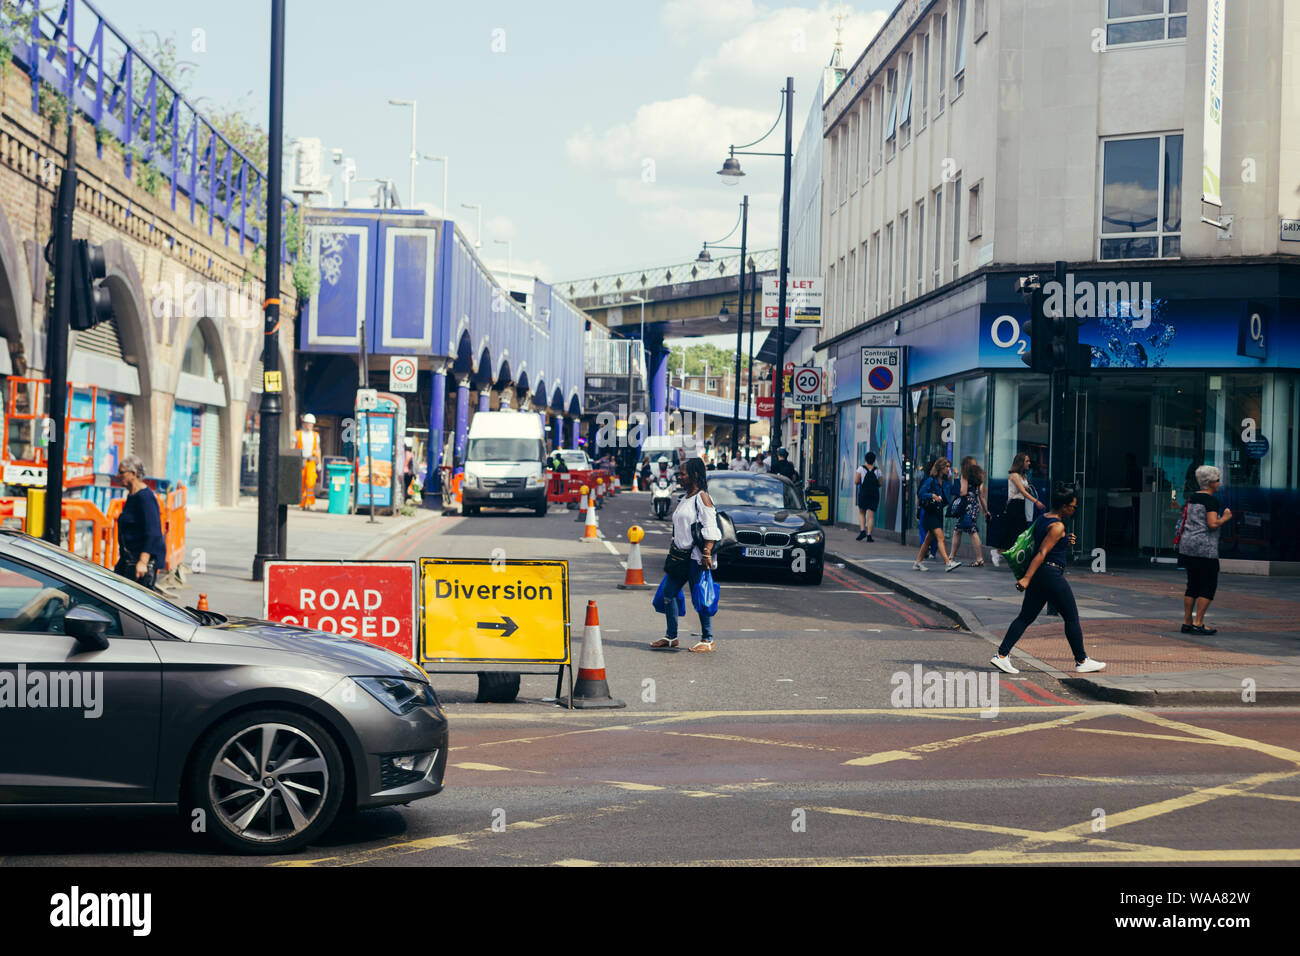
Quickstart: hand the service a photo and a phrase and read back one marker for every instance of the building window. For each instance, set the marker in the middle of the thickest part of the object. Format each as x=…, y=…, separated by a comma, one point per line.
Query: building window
x=875, y=273
x=880, y=140
x=846, y=295
x=844, y=162
x=920, y=248
x=1145, y=21
x=1142, y=198
x=853, y=148
x=866, y=139
x=830, y=299
x=959, y=52
x=981, y=18
x=905, y=111
x=925, y=79
x=852, y=277
x=956, y=226
x=942, y=85
x=974, y=216
x=891, y=122
x=889, y=267
x=936, y=203
x=902, y=256
x=866, y=288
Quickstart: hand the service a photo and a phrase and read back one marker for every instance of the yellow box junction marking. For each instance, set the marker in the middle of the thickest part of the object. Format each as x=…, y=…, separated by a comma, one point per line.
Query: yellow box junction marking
x=483, y=610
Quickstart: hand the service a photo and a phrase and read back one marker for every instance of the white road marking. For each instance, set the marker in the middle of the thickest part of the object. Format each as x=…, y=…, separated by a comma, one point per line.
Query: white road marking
x=609, y=546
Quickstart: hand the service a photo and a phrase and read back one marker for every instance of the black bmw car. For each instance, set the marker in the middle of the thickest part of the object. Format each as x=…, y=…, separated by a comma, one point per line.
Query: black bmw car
x=766, y=524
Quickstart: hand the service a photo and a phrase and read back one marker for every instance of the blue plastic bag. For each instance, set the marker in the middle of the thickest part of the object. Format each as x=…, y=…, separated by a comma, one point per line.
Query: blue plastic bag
x=662, y=607
x=704, y=593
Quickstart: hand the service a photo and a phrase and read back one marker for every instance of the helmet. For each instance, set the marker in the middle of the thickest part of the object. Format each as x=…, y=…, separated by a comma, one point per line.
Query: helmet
x=409, y=442
x=309, y=419
x=661, y=460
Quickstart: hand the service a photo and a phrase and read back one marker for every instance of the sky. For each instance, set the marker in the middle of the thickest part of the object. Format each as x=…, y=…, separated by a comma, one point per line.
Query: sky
x=589, y=132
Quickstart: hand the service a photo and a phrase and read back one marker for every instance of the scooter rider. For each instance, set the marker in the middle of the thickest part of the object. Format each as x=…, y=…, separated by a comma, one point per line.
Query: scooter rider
x=661, y=486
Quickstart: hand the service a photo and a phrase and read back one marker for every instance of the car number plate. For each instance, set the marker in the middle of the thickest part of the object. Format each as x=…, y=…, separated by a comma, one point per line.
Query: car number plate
x=500, y=494
x=762, y=552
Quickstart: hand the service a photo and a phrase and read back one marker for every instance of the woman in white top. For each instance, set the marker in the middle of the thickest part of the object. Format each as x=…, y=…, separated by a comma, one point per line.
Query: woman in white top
x=695, y=506
x=1015, y=519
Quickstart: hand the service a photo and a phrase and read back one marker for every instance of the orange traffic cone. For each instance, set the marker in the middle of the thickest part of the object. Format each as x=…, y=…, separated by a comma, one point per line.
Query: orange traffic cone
x=591, y=532
x=591, y=689
x=203, y=602
x=635, y=576
x=583, y=494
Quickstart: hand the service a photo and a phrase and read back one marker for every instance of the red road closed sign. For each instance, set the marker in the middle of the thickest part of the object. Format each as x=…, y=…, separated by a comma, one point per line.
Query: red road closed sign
x=373, y=601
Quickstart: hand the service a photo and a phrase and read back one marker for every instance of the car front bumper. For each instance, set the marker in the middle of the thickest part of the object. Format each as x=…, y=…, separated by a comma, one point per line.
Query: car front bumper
x=505, y=497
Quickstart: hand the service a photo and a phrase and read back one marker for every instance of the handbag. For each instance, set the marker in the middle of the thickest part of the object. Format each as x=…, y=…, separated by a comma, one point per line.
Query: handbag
x=678, y=561
x=1182, y=523
x=957, y=507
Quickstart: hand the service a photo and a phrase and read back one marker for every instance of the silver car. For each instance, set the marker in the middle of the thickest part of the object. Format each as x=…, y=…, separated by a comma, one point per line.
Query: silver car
x=259, y=733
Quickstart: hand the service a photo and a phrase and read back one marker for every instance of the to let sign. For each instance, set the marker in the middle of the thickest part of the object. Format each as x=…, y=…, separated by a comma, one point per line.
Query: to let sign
x=373, y=601
x=803, y=302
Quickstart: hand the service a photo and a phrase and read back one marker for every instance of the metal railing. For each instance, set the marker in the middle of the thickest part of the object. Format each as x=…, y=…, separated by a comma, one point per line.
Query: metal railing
x=694, y=271
x=615, y=357
x=125, y=95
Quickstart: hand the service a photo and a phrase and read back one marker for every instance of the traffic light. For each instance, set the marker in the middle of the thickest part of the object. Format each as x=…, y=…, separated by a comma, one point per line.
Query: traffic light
x=1038, y=356
x=91, y=302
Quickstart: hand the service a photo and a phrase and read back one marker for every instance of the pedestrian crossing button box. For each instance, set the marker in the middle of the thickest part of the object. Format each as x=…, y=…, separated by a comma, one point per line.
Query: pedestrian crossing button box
x=290, y=477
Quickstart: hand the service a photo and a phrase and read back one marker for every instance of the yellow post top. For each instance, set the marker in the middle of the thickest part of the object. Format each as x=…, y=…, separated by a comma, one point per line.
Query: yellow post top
x=635, y=534
x=585, y=490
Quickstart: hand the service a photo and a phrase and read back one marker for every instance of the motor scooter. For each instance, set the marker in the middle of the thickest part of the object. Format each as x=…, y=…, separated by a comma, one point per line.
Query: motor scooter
x=661, y=496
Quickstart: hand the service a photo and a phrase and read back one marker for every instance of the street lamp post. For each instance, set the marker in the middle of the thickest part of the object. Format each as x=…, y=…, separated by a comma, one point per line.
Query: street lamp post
x=478, y=231
x=445, y=163
x=730, y=173
x=415, y=157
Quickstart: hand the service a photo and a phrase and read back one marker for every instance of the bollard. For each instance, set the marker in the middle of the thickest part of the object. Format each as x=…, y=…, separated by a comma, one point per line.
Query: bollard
x=35, y=524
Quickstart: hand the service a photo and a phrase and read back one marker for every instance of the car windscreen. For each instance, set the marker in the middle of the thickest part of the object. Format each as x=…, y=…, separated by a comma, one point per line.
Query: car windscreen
x=109, y=584
x=754, y=492
x=576, y=459
x=504, y=449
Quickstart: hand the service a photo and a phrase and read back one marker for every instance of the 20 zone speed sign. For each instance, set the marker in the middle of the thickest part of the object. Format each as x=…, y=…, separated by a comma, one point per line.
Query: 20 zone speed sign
x=806, y=387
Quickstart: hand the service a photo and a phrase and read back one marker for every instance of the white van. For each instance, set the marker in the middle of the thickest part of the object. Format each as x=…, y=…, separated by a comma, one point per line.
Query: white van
x=676, y=448
x=505, y=466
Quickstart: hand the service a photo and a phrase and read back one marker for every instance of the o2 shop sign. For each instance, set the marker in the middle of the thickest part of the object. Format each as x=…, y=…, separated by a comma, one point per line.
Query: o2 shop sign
x=373, y=601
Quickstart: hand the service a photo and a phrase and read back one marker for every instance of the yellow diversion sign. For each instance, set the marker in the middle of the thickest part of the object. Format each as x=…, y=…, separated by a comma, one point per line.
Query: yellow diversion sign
x=500, y=612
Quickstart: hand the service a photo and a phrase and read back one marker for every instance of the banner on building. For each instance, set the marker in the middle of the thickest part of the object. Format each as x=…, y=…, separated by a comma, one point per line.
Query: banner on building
x=1212, y=134
x=803, y=302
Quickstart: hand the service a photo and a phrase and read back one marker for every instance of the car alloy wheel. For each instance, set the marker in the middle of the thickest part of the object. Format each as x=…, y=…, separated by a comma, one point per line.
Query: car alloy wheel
x=270, y=781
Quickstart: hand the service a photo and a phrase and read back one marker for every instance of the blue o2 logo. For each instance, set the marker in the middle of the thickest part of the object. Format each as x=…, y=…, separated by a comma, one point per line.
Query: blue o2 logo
x=1005, y=333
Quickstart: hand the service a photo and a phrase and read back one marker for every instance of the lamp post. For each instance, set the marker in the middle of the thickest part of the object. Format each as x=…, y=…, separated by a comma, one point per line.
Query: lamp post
x=704, y=256
x=415, y=157
x=478, y=231
x=509, y=262
x=445, y=163
x=642, y=300
x=730, y=173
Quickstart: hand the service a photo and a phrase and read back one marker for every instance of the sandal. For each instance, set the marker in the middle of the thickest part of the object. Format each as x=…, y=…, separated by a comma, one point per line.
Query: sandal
x=703, y=647
x=977, y=564
x=664, y=643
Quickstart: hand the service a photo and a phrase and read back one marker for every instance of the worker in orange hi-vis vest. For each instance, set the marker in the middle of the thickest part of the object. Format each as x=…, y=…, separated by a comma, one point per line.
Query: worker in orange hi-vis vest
x=309, y=444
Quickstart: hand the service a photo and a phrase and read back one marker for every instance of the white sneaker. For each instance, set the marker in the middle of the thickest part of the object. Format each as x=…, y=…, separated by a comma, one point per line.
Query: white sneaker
x=918, y=566
x=1089, y=666
x=952, y=566
x=1003, y=664
x=996, y=559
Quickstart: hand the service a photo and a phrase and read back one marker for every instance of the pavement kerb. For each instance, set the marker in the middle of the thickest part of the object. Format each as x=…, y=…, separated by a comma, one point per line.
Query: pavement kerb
x=1097, y=688
x=391, y=533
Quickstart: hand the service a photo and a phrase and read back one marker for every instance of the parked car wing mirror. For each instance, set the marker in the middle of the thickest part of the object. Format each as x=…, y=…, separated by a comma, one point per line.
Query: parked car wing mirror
x=89, y=626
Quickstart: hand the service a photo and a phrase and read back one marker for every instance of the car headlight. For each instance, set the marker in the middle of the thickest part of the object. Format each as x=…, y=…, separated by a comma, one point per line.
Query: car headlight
x=471, y=481
x=809, y=537
x=534, y=481
x=398, y=695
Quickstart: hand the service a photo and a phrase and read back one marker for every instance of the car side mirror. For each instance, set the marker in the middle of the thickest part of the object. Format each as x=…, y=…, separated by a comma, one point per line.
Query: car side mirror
x=88, y=626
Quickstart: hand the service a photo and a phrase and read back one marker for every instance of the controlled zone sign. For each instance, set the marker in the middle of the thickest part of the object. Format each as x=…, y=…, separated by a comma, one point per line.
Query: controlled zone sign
x=485, y=610
x=881, y=372
x=373, y=601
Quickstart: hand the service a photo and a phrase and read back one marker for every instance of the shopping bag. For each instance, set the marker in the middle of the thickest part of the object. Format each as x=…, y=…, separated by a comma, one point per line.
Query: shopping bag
x=658, y=601
x=1021, y=553
x=704, y=593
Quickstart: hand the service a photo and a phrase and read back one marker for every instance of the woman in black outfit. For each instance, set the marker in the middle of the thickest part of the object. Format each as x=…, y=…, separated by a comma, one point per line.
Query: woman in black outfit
x=1044, y=581
x=139, y=527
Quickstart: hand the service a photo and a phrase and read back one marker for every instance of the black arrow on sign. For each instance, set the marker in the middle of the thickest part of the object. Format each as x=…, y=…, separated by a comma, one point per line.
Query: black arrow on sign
x=508, y=626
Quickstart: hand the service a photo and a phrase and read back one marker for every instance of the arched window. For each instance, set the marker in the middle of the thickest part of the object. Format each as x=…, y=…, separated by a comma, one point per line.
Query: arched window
x=197, y=361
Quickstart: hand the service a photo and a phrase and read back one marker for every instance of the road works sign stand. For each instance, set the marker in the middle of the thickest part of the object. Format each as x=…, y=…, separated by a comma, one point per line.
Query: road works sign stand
x=488, y=611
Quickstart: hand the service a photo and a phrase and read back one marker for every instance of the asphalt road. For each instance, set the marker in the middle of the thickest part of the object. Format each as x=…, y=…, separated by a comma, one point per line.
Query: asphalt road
x=792, y=743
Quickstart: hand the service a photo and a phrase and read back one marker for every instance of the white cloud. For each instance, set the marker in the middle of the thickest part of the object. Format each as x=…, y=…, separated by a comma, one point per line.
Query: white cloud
x=687, y=131
x=792, y=41
x=689, y=18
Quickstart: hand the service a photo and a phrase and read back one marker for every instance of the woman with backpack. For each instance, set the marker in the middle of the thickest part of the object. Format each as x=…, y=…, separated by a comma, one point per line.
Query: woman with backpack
x=932, y=497
x=974, y=496
x=690, y=553
x=867, y=479
x=1044, y=580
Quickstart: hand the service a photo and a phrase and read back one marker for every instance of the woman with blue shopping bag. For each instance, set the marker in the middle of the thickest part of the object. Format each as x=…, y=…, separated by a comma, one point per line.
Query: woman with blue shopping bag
x=690, y=558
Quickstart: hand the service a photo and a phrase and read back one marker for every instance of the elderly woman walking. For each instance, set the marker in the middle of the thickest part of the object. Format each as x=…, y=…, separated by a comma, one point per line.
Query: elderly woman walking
x=139, y=527
x=1198, y=548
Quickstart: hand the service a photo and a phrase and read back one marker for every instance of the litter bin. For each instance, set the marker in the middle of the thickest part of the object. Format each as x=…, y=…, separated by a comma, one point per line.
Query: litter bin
x=338, y=475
